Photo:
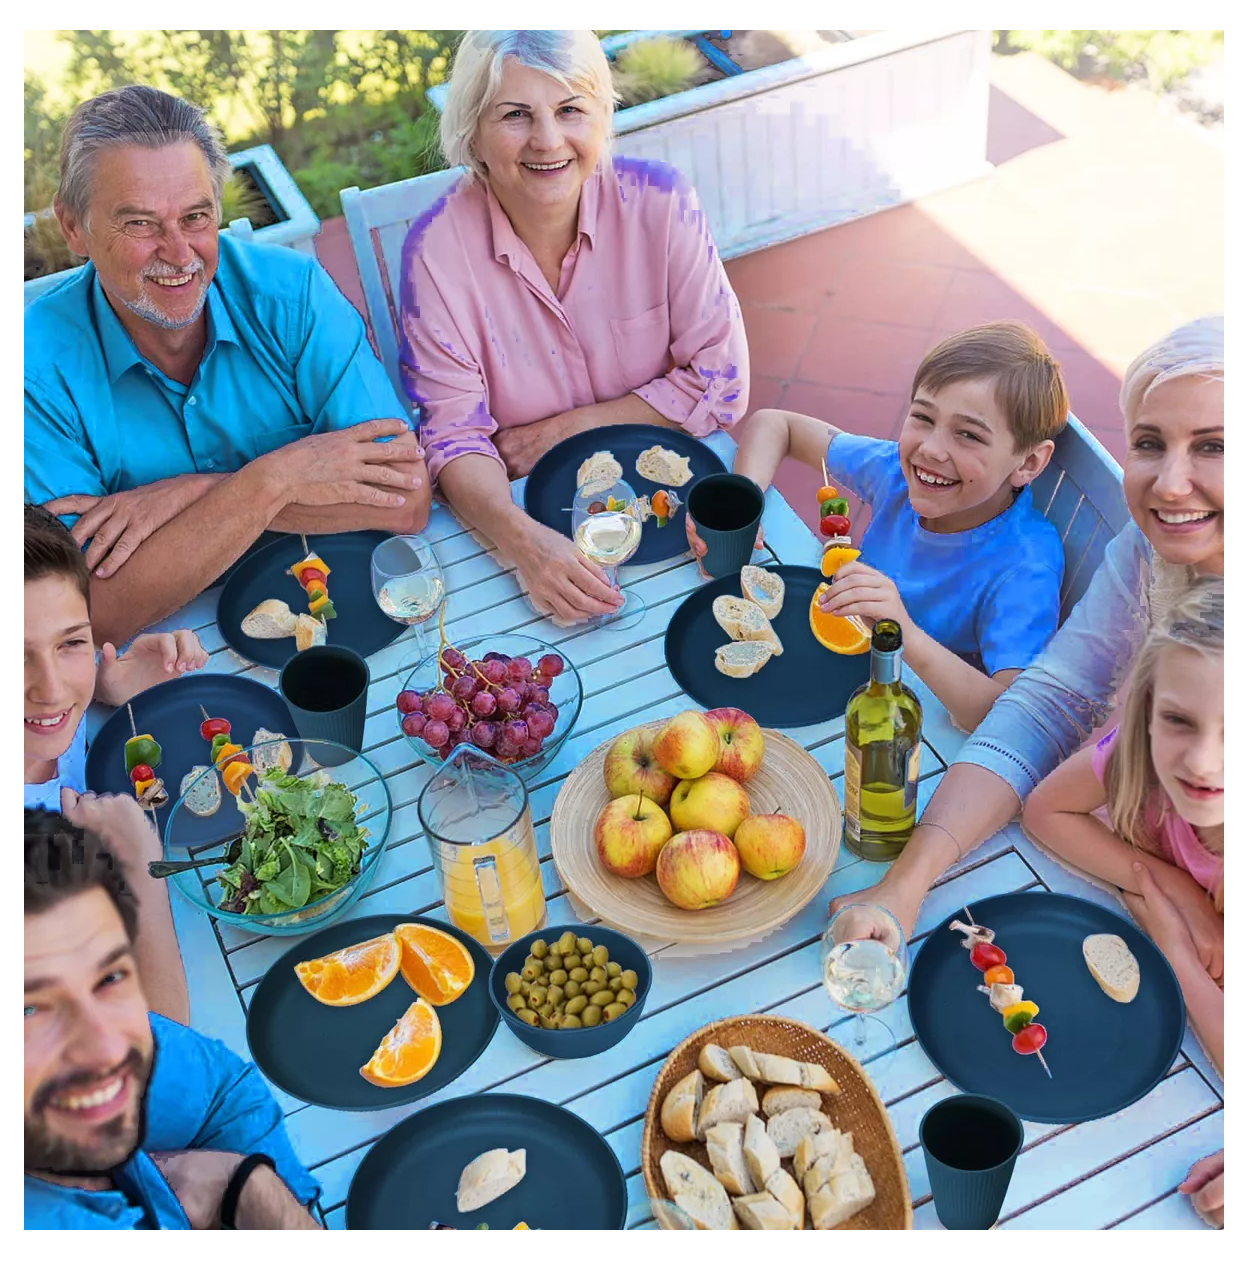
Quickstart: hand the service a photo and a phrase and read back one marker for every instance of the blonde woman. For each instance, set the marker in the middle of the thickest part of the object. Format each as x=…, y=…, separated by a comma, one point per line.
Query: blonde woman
x=555, y=290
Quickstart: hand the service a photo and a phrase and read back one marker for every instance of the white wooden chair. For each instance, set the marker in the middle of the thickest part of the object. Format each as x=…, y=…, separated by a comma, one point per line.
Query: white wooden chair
x=1080, y=492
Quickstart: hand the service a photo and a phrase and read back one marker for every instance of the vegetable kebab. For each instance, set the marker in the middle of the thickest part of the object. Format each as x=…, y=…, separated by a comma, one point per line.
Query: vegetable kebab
x=142, y=753
x=227, y=756
x=311, y=574
x=1004, y=993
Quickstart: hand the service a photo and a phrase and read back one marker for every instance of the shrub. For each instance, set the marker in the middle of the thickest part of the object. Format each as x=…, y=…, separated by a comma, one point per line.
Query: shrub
x=649, y=69
x=1162, y=59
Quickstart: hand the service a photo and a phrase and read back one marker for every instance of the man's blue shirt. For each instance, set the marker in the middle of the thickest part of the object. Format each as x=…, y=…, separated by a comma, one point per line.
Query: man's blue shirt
x=991, y=595
x=286, y=355
x=201, y=1096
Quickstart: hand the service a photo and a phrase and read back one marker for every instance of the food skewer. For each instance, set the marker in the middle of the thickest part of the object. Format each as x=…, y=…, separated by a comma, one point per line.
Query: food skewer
x=141, y=754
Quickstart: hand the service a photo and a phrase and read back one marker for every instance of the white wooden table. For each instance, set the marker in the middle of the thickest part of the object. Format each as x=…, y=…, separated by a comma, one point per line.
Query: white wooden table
x=1119, y=1172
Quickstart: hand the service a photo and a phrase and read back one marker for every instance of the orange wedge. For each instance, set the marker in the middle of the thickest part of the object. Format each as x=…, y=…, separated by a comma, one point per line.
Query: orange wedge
x=842, y=636
x=835, y=556
x=436, y=965
x=408, y=1050
x=352, y=974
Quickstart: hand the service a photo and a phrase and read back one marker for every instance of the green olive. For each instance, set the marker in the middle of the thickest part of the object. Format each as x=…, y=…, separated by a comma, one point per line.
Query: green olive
x=590, y=988
x=600, y=955
x=626, y=997
x=591, y=1015
x=571, y=962
x=545, y=1010
x=555, y=993
x=585, y=945
x=512, y=984
x=629, y=980
x=559, y=977
x=531, y=971
x=598, y=975
x=516, y=1001
x=613, y=969
x=565, y=945
x=529, y=1017
x=602, y=998
x=579, y=974
x=573, y=988
x=539, y=950
x=536, y=996
x=543, y=981
x=576, y=1005
x=570, y=1021
x=550, y=1022
x=554, y=961
x=616, y=1010
x=588, y=960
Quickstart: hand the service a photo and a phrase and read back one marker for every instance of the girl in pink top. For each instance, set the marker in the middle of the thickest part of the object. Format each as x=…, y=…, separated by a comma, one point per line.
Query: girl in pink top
x=555, y=291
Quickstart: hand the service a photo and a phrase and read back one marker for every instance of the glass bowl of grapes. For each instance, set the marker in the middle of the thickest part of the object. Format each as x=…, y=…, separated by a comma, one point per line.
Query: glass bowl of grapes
x=513, y=697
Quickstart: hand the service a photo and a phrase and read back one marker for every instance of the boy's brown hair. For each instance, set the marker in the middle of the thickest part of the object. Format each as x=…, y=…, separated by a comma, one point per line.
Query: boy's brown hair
x=1028, y=385
x=51, y=550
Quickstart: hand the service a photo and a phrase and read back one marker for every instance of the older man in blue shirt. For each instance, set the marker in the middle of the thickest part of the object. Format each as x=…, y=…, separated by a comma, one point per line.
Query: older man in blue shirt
x=185, y=392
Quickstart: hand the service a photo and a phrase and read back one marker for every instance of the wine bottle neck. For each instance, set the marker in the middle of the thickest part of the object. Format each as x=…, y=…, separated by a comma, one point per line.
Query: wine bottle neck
x=884, y=666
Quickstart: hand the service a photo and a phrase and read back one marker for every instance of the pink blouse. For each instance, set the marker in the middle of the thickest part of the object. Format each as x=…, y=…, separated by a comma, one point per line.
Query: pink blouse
x=643, y=305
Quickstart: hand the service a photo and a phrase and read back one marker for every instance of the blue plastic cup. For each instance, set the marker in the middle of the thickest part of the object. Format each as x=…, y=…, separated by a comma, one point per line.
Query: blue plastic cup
x=971, y=1144
x=726, y=510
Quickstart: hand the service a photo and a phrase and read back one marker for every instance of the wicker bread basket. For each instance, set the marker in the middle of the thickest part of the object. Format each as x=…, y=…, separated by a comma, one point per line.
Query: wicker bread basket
x=856, y=1108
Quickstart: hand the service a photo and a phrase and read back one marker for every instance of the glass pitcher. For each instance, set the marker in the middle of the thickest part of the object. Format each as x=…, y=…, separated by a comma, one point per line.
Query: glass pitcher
x=476, y=815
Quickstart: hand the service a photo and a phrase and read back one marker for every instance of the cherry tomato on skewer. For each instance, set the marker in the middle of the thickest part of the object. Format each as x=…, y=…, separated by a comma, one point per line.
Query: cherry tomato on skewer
x=997, y=974
x=213, y=726
x=1030, y=1039
x=141, y=772
x=984, y=956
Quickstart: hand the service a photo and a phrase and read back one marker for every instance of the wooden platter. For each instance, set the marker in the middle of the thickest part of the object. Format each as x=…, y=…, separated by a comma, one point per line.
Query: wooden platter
x=856, y=1108
x=790, y=780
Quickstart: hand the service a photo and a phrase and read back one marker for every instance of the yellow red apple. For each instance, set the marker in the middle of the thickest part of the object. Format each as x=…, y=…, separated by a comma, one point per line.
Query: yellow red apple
x=631, y=768
x=740, y=742
x=770, y=845
x=629, y=834
x=697, y=868
x=712, y=802
x=686, y=746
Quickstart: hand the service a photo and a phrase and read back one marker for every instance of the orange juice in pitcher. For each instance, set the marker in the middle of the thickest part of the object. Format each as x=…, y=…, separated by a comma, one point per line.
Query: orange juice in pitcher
x=476, y=815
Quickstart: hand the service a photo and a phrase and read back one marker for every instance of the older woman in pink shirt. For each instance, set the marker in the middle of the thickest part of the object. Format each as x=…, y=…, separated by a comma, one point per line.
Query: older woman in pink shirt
x=555, y=291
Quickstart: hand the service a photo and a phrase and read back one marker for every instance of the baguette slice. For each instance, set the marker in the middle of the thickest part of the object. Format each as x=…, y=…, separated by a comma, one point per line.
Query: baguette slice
x=848, y=1193
x=745, y=1060
x=493, y=1173
x=741, y=659
x=763, y=588
x=598, y=473
x=270, y=621
x=788, y=1193
x=792, y=1126
x=717, y=1064
x=309, y=632
x=745, y=621
x=270, y=750
x=812, y=1149
x=206, y=798
x=682, y=1107
x=776, y=1069
x=726, y=1103
x=816, y=1077
x=724, y=1143
x=776, y=1100
x=762, y=1211
x=759, y=1152
x=1113, y=966
x=695, y=1190
x=664, y=466
x=836, y=1159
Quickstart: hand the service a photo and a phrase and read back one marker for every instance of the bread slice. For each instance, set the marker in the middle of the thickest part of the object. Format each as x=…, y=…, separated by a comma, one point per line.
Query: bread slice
x=664, y=466
x=309, y=632
x=788, y=1193
x=817, y=1078
x=759, y=1152
x=776, y=1100
x=270, y=750
x=762, y=1211
x=598, y=473
x=741, y=659
x=819, y=1146
x=776, y=1069
x=206, y=798
x=697, y=1192
x=792, y=1126
x=834, y=1159
x=493, y=1173
x=682, y=1107
x=745, y=1060
x=270, y=621
x=1112, y=965
x=724, y=1143
x=846, y=1194
x=763, y=588
x=726, y=1103
x=717, y=1064
x=745, y=621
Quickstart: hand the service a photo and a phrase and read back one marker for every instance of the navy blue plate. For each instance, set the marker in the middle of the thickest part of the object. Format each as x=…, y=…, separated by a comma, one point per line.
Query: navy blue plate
x=409, y=1177
x=171, y=712
x=1104, y=1056
x=551, y=487
x=360, y=624
x=805, y=684
x=315, y=1052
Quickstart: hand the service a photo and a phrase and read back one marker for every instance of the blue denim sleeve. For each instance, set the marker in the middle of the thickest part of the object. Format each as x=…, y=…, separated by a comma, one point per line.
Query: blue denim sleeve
x=861, y=463
x=1069, y=690
x=201, y=1096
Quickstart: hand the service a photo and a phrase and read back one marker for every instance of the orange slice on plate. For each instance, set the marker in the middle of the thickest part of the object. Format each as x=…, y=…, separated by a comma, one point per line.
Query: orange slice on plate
x=408, y=1050
x=835, y=556
x=842, y=636
x=352, y=974
x=436, y=965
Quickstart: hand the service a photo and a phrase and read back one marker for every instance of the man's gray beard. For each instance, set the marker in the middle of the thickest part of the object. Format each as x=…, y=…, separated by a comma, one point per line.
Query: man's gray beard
x=147, y=310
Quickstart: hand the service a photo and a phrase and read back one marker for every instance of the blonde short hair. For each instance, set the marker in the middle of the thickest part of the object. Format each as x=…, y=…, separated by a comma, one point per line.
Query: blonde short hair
x=1197, y=349
x=573, y=58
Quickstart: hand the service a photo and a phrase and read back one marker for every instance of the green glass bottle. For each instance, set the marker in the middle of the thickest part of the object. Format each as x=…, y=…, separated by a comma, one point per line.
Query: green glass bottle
x=882, y=753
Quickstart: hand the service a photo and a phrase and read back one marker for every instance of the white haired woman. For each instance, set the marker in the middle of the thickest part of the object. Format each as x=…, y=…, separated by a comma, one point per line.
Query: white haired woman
x=1173, y=400
x=554, y=291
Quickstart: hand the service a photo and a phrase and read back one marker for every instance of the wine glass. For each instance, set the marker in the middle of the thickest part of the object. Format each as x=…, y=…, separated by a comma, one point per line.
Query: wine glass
x=608, y=526
x=408, y=583
x=861, y=974
x=657, y=1213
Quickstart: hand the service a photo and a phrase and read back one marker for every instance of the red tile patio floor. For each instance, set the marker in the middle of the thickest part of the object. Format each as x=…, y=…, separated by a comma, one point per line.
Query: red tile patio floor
x=1101, y=227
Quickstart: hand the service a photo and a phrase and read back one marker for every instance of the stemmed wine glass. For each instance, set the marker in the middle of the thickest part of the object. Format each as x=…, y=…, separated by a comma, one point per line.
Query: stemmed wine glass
x=862, y=974
x=408, y=583
x=608, y=526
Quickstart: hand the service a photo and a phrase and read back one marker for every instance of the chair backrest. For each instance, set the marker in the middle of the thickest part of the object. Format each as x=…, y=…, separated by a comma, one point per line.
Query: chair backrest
x=378, y=221
x=1080, y=493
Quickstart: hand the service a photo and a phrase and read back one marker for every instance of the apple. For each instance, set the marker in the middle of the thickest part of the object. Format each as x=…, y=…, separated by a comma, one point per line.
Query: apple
x=629, y=834
x=697, y=868
x=712, y=802
x=740, y=743
x=686, y=746
x=630, y=767
x=770, y=845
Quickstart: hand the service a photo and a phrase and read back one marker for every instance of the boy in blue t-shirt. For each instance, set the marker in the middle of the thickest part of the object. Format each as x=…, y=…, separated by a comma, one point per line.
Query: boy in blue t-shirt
x=955, y=552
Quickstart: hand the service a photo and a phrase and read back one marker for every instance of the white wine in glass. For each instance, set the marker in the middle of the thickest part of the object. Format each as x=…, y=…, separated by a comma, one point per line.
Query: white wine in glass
x=608, y=527
x=408, y=583
x=864, y=965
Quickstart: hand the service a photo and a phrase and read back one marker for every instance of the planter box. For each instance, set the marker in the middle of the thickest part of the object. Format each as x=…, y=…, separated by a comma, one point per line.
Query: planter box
x=296, y=224
x=815, y=141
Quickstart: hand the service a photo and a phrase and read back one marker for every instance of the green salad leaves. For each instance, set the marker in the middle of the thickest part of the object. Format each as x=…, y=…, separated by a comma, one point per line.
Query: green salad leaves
x=301, y=842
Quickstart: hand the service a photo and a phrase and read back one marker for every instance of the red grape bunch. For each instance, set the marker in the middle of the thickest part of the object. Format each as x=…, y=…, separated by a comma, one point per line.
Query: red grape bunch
x=498, y=703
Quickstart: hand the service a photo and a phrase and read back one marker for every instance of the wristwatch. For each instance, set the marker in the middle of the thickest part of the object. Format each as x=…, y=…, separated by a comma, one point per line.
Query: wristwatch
x=234, y=1188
